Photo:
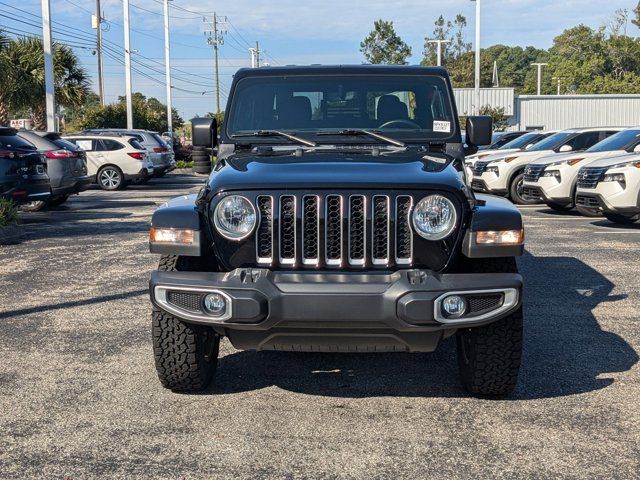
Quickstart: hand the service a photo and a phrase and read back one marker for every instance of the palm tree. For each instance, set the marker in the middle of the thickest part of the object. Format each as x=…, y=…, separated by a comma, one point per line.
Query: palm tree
x=26, y=57
x=4, y=107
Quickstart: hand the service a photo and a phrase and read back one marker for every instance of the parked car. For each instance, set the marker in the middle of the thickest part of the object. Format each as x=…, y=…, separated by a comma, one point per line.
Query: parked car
x=23, y=170
x=554, y=179
x=353, y=234
x=521, y=143
x=162, y=158
x=611, y=186
x=504, y=174
x=66, y=167
x=498, y=139
x=114, y=161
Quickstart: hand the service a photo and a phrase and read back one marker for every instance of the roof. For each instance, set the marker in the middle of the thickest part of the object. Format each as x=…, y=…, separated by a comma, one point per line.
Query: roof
x=342, y=69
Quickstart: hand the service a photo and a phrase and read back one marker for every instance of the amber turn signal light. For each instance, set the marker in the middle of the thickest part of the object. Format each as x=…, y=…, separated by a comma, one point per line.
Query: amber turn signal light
x=574, y=161
x=503, y=237
x=171, y=235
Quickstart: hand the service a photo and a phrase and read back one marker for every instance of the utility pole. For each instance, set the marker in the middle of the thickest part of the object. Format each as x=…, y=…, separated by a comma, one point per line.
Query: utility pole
x=97, y=24
x=559, y=79
x=540, y=65
x=216, y=39
x=476, y=107
x=127, y=64
x=48, y=66
x=167, y=63
x=255, y=56
x=439, y=51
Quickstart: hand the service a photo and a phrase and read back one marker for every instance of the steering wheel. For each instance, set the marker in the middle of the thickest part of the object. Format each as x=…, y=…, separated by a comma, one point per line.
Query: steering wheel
x=408, y=123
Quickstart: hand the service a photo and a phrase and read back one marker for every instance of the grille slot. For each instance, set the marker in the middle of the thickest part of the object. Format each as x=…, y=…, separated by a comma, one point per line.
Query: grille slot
x=357, y=229
x=404, y=235
x=310, y=230
x=380, y=233
x=532, y=172
x=264, y=244
x=333, y=232
x=589, y=177
x=288, y=230
x=187, y=301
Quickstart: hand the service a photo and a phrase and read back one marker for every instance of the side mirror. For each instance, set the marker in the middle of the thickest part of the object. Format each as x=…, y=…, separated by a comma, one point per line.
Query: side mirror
x=204, y=132
x=529, y=146
x=479, y=131
x=636, y=149
x=565, y=148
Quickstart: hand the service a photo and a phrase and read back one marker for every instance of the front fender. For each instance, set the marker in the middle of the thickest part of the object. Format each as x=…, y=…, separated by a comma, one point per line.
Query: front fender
x=492, y=213
x=179, y=213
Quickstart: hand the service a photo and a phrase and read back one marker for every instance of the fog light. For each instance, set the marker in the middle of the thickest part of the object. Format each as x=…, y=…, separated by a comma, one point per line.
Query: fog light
x=215, y=304
x=454, y=306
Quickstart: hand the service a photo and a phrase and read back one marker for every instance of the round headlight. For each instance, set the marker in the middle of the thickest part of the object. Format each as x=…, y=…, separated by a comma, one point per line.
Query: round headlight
x=434, y=217
x=235, y=217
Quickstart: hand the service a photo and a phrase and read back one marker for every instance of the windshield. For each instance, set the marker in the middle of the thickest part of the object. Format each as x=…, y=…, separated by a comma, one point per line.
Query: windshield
x=410, y=106
x=619, y=141
x=522, y=141
x=552, y=142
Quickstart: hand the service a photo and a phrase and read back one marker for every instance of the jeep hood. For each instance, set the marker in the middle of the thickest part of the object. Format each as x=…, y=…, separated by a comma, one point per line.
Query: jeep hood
x=336, y=170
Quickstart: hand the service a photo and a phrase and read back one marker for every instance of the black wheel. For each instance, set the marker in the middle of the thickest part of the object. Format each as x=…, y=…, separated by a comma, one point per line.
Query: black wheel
x=489, y=356
x=186, y=355
x=560, y=208
x=33, y=206
x=515, y=191
x=110, y=178
x=59, y=200
x=621, y=219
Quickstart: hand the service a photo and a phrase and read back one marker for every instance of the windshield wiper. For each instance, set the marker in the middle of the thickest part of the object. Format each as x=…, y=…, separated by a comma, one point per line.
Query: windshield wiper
x=354, y=132
x=276, y=133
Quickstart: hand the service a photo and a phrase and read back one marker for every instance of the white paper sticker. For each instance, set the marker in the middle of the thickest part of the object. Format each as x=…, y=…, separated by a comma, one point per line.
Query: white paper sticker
x=84, y=144
x=440, y=126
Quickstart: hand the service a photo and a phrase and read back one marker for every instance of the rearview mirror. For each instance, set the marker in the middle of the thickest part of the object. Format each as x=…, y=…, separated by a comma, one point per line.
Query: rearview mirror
x=565, y=148
x=204, y=132
x=479, y=130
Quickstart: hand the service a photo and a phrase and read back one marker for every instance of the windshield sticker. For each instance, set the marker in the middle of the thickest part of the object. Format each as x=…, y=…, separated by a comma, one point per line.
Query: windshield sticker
x=440, y=126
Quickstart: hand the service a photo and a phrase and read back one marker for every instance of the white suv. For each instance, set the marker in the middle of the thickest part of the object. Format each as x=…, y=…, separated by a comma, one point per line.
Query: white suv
x=611, y=186
x=554, y=179
x=519, y=144
x=114, y=160
x=504, y=174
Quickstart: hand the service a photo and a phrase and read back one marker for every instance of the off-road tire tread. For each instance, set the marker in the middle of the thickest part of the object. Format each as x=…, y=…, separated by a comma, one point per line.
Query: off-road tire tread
x=185, y=355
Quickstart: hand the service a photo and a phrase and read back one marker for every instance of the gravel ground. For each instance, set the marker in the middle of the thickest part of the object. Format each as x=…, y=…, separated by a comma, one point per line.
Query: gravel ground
x=79, y=396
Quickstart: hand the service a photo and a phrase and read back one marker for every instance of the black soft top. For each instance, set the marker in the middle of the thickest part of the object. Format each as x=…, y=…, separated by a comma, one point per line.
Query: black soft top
x=342, y=70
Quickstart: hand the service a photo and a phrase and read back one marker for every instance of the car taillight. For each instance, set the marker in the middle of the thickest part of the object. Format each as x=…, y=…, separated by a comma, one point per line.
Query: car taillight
x=160, y=149
x=59, y=154
x=136, y=155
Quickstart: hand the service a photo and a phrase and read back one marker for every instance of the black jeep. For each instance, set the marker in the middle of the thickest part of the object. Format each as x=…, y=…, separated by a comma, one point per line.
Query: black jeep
x=337, y=219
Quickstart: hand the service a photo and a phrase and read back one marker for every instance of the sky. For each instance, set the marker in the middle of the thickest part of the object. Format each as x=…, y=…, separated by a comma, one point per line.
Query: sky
x=289, y=31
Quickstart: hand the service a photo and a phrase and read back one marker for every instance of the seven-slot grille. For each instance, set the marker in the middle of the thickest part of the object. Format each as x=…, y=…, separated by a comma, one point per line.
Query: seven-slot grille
x=334, y=230
x=588, y=177
x=532, y=172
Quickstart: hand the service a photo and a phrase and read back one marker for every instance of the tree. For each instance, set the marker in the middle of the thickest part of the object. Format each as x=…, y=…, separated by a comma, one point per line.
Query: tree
x=25, y=77
x=636, y=13
x=4, y=67
x=497, y=115
x=447, y=30
x=383, y=45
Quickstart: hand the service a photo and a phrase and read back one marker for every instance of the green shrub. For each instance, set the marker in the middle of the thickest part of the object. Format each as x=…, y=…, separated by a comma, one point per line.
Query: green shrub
x=184, y=164
x=8, y=212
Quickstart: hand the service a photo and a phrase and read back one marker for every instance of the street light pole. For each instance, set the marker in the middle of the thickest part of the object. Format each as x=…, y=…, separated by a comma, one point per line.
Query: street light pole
x=167, y=62
x=127, y=64
x=539, y=65
x=48, y=66
x=439, y=51
x=476, y=107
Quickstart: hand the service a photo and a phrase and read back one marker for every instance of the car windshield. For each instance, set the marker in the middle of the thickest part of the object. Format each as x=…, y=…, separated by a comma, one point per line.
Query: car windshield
x=618, y=141
x=521, y=142
x=552, y=142
x=408, y=107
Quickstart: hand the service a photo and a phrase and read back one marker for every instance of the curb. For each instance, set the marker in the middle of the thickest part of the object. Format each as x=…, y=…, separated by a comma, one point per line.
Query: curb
x=11, y=234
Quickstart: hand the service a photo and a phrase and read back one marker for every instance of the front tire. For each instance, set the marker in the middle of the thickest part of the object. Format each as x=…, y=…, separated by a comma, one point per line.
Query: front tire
x=515, y=191
x=619, y=219
x=186, y=355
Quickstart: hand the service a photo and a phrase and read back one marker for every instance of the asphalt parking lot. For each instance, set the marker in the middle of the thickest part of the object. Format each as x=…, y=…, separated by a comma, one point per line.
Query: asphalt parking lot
x=79, y=396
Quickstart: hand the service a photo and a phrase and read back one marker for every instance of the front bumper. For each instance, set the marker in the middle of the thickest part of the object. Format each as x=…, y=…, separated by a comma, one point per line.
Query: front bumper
x=488, y=184
x=399, y=311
